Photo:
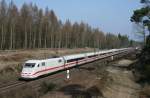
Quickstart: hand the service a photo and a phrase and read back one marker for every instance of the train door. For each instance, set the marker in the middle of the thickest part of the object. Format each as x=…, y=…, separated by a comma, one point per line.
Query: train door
x=64, y=62
x=86, y=58
x=41, y=68
x=77, y=61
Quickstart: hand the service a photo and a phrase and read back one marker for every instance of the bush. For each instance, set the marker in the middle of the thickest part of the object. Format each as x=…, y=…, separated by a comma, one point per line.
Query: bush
x=147, y=70
x=144, y=67
x=46, y=87
x=148, y=41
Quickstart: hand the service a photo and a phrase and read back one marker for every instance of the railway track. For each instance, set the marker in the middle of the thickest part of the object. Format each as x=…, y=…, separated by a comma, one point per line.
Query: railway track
x=10, y=86
x=10, y=83
x=17, y=84
x=54, y=77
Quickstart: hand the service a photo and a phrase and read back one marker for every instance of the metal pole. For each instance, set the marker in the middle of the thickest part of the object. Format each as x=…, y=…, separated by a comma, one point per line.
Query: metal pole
x=68, y=74
x=112, y=57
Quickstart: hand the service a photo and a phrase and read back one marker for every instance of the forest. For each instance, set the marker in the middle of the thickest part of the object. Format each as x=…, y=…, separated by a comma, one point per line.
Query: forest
x=31, y=27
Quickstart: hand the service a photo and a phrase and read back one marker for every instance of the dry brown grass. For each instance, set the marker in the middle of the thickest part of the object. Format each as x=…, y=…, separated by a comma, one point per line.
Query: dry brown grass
x=19, y=55
x=23, y=92
x=55, y=95
x=103, y=81
x=145, y=92
x=9, y=73
x=14, y=57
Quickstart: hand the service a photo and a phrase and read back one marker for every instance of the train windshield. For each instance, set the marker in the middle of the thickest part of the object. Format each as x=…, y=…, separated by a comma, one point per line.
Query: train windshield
x=29, y=65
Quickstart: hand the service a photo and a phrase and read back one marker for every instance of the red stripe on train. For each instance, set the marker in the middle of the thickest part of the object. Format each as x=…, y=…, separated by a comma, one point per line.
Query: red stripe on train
x=61, y=66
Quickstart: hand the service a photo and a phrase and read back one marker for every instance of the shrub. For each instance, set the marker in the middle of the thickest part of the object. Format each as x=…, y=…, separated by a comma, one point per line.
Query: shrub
x=144, y=66
x=46, y=87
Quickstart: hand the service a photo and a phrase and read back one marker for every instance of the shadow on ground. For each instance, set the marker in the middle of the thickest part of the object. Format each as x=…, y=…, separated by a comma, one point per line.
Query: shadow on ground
x=87, y=68
x=78, y=91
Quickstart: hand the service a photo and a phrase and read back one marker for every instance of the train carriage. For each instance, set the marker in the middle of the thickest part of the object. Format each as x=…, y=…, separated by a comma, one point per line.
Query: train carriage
x=35, y=68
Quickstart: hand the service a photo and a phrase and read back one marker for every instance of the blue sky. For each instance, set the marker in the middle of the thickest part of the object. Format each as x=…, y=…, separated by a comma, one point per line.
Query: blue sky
x=107, y=15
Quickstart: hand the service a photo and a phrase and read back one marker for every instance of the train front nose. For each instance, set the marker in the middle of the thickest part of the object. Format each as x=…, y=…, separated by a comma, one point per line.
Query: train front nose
x=26, y=73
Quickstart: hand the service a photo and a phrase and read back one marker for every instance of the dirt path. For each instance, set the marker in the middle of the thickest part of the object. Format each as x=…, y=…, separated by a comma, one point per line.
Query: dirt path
x=121, y=84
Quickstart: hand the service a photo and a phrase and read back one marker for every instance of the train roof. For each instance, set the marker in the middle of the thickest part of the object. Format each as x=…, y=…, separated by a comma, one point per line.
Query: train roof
x=74, y=56
x=34, y=61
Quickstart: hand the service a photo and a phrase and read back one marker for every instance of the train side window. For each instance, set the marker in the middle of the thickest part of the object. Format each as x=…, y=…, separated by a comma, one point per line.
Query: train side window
x=38, y=65
x=72, y=60
x=59, y=60
x=43, y=63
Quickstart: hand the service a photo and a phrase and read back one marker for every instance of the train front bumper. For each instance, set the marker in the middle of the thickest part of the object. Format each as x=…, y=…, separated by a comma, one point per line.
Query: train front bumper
x=27, y=76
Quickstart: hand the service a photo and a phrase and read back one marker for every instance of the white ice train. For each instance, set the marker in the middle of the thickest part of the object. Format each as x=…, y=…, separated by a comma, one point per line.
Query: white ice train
x=35, y=68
